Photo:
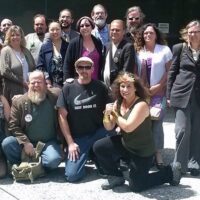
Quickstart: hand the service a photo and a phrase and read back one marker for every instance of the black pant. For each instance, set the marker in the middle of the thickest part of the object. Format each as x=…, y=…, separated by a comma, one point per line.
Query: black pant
x=109, y=150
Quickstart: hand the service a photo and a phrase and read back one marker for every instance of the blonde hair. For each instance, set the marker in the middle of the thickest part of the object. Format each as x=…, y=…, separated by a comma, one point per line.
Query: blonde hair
x=15, y=29
x=184, y=31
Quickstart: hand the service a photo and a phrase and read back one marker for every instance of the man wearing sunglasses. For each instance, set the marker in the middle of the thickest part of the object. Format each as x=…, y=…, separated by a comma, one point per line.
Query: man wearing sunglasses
x=80, y=112
x=134, y=20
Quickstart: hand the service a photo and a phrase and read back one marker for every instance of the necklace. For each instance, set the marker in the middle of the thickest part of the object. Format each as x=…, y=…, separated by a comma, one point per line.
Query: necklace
x=126, y=107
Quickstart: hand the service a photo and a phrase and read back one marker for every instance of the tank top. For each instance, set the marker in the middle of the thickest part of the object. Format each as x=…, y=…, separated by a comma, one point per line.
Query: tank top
x=140, y=141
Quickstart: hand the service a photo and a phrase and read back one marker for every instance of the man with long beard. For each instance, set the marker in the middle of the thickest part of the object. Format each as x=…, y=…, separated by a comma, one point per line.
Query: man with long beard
x=34, y=118
x=66, y=20
x=101, y=30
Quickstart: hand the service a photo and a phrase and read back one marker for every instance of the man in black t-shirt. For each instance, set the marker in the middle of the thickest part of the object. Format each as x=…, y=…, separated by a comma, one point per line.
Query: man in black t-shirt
x=80, y=107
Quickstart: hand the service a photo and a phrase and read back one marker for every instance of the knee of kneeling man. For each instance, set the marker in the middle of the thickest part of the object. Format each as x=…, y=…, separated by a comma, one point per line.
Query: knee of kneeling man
x=7, y=142
x=51, y=163
x=74, y=176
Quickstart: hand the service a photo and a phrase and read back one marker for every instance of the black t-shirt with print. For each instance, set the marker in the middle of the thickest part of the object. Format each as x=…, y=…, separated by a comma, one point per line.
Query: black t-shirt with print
x=85, y=105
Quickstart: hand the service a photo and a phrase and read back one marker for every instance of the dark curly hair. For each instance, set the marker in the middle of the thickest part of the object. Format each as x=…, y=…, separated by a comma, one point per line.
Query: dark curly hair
x=141, y=91
x=139, y=40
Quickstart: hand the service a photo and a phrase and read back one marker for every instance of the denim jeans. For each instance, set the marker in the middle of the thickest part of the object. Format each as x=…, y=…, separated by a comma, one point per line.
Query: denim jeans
x=51, y=154
x=75, y=170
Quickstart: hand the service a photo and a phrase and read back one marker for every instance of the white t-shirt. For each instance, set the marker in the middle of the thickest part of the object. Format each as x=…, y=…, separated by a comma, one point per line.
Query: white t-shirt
x=161, y=55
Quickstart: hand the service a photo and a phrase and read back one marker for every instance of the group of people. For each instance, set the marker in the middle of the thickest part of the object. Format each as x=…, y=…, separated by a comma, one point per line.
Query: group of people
x=90, y=89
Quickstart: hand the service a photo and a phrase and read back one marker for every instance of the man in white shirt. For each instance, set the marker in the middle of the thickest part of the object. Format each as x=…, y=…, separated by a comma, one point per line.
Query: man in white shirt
x=120, y=54
x=34, y=40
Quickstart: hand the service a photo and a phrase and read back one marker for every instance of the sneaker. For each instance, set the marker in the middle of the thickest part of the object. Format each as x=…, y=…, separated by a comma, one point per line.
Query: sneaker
x=112, y=182
x=176, y=172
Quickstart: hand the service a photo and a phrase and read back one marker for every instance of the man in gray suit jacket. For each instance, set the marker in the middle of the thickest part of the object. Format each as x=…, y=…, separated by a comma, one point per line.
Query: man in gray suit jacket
x=66, y=20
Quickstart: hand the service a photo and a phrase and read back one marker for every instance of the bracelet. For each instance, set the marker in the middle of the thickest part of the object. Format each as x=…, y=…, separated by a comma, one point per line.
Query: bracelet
x=106, y=119
x=115, y=114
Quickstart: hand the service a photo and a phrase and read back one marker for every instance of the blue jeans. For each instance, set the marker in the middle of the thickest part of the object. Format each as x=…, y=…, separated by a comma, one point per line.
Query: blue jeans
x=75, y=170
x=51, y=154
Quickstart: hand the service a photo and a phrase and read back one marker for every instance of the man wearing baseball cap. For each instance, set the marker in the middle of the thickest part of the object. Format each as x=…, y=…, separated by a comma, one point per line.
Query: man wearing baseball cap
x=80, y=111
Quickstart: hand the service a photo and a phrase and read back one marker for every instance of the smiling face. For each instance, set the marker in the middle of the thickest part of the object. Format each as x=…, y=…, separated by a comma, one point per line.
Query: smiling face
x=85, y=27
x=149, y=35
x=127, y=90
x=116, y=31
x=55, y=31
x=99, y=15
x=84, y=70
x=5, y=25
x=15, y=39
x=65, y=19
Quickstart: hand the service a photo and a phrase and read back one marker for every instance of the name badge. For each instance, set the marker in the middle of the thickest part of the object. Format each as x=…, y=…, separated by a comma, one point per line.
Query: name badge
x=28, y=118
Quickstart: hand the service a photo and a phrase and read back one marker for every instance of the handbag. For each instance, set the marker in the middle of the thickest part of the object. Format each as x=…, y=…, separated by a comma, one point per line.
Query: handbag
x=157, y=105
x=31, y=167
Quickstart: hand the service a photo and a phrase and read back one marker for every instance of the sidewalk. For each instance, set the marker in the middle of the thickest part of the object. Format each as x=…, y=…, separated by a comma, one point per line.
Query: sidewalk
x=54, y=186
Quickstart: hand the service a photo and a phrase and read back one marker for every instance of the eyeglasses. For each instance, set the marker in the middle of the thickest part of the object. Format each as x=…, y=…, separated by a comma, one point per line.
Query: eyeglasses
x=86, y=25
x=135, y=18
x=193, y=32
x=87, y=67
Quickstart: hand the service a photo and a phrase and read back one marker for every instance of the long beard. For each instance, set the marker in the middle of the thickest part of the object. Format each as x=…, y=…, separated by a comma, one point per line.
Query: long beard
x=36, y=97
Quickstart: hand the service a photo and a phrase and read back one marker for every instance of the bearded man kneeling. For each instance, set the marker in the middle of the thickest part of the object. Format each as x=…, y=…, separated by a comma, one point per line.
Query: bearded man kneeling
x=34, y=118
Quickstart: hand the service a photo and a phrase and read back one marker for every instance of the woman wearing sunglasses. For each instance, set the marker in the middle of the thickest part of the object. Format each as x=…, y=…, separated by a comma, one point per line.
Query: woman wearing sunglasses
x=84, y=45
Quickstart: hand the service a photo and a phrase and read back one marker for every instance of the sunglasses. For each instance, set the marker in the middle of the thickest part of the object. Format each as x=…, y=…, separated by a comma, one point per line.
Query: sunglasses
x=135, y=18
x=87, y=67
x=86, y=25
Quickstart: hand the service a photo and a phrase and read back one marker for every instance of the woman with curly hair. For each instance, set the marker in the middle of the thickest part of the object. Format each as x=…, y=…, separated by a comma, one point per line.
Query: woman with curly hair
x=133, y=141
x=154, y=60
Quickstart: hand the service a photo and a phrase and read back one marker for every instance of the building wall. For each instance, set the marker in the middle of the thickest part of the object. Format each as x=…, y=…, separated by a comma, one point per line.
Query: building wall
x=176, y=13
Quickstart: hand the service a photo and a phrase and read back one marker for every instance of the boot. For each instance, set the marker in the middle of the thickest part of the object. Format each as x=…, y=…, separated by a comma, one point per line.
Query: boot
x=112, y=182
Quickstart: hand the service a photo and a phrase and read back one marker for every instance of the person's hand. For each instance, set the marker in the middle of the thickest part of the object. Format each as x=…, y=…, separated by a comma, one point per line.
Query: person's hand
x=73, y=151
x=109, y=108
x=168, y=103
x=29, y=149
x=154, y=89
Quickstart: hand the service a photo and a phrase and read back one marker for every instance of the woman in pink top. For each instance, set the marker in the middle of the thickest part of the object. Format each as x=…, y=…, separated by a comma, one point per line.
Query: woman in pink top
x=84, y=45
